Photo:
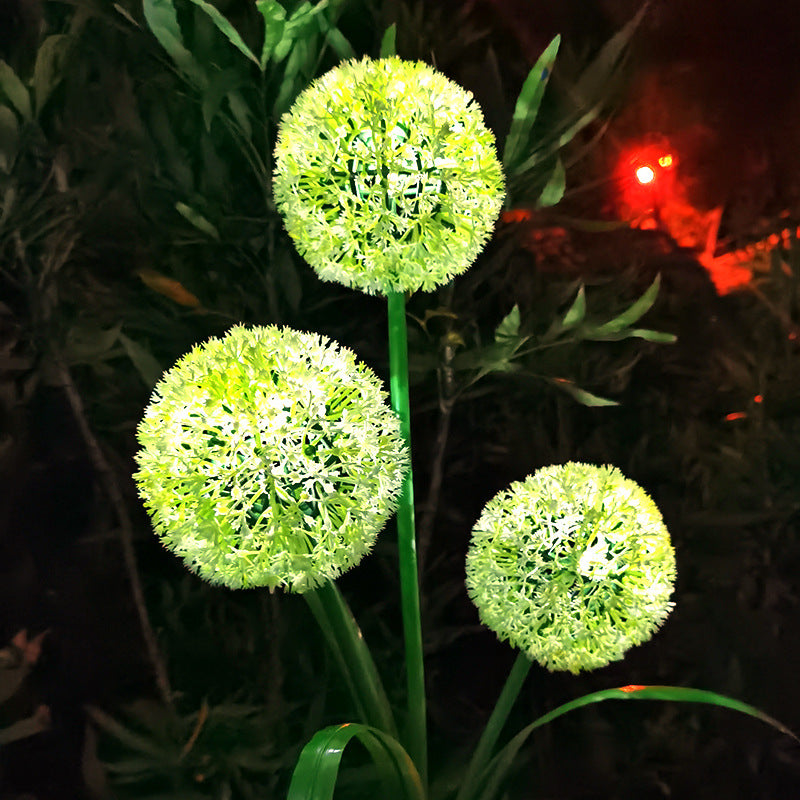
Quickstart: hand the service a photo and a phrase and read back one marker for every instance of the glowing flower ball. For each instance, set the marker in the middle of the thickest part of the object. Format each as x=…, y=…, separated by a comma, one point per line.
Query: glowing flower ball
x=387, y=176
x=573, y=566
x=269, y=458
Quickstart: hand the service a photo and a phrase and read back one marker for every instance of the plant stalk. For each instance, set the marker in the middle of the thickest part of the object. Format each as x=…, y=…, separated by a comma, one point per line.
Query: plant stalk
x=416, y=732
x=491, y=733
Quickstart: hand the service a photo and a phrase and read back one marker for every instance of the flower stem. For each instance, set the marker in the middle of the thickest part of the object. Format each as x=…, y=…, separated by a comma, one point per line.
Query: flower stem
x=416, y=732
x=491, y=733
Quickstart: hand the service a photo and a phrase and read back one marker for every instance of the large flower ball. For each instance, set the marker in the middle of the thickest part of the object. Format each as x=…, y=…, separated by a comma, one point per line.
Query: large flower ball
x=269, y=458
x=387, y=176
x=573, y=566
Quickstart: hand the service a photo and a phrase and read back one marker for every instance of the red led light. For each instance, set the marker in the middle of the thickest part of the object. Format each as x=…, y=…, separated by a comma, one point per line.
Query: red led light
x=645, y=174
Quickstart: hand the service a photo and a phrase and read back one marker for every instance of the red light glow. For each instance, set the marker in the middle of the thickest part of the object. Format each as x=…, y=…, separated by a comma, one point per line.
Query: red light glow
x=665, y=161
x=645, y=174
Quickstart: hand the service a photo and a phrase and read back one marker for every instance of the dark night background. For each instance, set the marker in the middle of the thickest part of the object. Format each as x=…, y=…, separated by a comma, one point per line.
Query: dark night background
x=720, y=82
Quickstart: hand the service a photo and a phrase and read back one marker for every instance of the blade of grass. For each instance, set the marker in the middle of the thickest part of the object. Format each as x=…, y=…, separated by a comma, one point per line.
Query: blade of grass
x=162, y=20
x=352, y=656
x=491, y=733
x=226, y=28
x=389, y=41
x=416, y=735
x=317, y=768
x=528, y=102
x=631, y=314
x=489, y=783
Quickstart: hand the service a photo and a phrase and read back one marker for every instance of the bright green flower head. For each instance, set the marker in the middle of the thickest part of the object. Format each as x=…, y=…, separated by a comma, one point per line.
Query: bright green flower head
x=573, y=566
x=269, y=458
x=387, y=177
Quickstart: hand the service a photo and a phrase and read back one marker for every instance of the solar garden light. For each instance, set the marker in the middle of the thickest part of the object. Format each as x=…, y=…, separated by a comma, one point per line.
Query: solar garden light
x=270, y=458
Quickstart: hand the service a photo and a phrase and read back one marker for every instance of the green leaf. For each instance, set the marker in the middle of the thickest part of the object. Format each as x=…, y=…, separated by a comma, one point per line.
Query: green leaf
x=346, y=643
x=48, y=70
x=274, y=15
x=317, y=769
x=576, y=312
x=653, y=336
x=14, y=90
x=527, y=106
x=493, y=776
x=241, y=112
x=554, y=188
x=593, y=85
x=581, y=395
x=508, y=329
x=335, y=38
x=389, y=41
x=225, y=27
x=631, y=314
x=146, y=365
x=162, y=20
x=197, y=219
x=9, y=147
x=223, y=82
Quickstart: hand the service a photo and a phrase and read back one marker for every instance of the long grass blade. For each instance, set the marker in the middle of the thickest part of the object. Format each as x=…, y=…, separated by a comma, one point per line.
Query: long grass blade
x=317, y=768
x=162, y=20
x=489, y=783
x=352, y=656
x=491, y=733
x=226, y=28
x=527, y=106
x=633, y=313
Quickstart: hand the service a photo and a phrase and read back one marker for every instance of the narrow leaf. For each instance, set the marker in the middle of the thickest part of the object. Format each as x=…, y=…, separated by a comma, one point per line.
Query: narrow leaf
x=169, y=287
x=317, y=769
x=225, y=27
x=48, y=72
x=389, y=41
x=508, y=329
x=197, y=219
x=576, y=312
x=352, y=656
x=653, y=336
x=634, y=312
x=274, y=15
x=162, y=20
x=528, y=102
x=14, y=90
x=581, y=395
x=496, y=772
x=146, y=365
x=554, y=188
x=9, y=146
x=337, y=41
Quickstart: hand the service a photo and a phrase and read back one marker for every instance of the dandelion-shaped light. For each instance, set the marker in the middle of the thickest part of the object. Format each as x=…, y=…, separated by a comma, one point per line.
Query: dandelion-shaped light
x=269, y=458
x=387, y=176
x=573, y=566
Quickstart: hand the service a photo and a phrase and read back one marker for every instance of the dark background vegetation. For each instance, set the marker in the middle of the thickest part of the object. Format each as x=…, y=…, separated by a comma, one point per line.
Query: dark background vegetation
x=88, y=244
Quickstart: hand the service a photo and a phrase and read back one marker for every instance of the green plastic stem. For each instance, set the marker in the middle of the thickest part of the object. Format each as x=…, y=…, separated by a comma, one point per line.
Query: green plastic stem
x=491, y=733
x=416, y=737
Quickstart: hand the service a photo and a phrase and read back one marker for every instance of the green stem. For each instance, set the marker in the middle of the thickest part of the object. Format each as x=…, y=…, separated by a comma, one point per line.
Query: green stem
x=416, y=734
x=491, y=733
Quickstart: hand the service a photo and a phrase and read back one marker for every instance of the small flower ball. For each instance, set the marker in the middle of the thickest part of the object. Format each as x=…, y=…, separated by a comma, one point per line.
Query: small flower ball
x=573, y=566
x=269, y=458
x=387, y=176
